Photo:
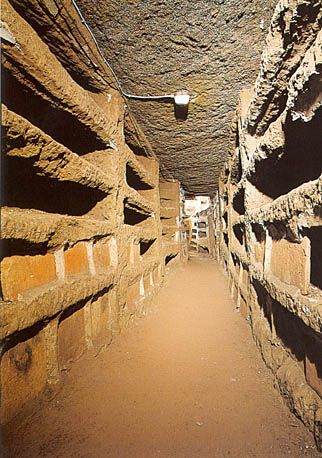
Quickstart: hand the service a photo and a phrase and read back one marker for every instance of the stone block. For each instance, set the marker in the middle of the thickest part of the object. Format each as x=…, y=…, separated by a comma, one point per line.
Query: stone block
x=147, y=282
x=259, y=252
x=21, y=273
x=99, y=314
x=290, y=262
x=156, y=277
x=313, y=364
x=71, y=338
x=245, y=278
x=129, y=255
x=243, y=308
x=133, y=296
x=23, y=375
x=101, y=254
x=76, y=259
x=133, y=253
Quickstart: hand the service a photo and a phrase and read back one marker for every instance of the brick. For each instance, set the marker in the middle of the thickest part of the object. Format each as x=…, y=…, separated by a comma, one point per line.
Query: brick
x=23, y=375
x=21, y=273
x=290, y=262
x=76, y=259
x=71, y=338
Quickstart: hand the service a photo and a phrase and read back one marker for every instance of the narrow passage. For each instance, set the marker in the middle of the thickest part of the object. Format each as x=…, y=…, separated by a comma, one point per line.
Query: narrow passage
x=184, y=381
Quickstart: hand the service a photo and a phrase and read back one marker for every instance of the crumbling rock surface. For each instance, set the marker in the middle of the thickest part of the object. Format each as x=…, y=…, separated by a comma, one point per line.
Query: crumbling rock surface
x=212, y=49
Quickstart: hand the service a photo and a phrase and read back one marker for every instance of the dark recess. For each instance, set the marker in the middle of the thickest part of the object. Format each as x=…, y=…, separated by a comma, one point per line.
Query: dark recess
x=315, y=236
x=25, y=189
x=301, y=162
x=258, y=232
x=137, y=150
x=236, y=170
x=145, y=246
x=134, y=181
x=21, y=247
x=133, y=217
x=239, y=233
x=55, y=122
x=169, y=258
x=239, y=202
x=299, y=339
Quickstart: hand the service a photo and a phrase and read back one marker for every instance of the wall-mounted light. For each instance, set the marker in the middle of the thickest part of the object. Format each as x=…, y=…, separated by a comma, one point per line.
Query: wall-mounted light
x=182, y=98
x=181, y=101
x=181, y=104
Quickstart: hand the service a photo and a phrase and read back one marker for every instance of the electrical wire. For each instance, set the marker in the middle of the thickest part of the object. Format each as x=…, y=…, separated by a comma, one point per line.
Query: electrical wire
x=125, y=94
x=119, y=85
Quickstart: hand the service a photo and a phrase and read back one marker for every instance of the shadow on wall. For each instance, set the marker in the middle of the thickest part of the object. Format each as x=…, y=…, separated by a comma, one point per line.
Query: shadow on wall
x=300, y=162
x=299, y=340
x=26, y=189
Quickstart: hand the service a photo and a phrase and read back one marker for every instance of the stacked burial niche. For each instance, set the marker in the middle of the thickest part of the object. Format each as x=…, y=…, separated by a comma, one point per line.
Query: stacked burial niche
x=199, y=218
x=268, y=215
x=83, y=250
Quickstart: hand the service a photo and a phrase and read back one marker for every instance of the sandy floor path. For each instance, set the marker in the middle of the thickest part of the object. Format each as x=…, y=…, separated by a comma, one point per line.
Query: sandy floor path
x=185, y=381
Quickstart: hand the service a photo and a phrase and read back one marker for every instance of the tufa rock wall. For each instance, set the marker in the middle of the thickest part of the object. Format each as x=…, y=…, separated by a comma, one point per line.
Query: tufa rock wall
x=82, y=245
x=268, y=214
x=210, y=48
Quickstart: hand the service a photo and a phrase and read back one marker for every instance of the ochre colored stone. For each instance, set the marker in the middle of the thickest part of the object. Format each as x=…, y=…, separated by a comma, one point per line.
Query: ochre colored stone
x=156, y=278
x=71, y=338
x=289, y=263
x=133, y=295
x=99, y=314
x=23, y=375
x=133, y=253
x=76, y=259
x=243, y=307
x=147, y=282
x=101, y=253
x=314, y=375
x=259, y=250
x=313, y=364
x=21, y=273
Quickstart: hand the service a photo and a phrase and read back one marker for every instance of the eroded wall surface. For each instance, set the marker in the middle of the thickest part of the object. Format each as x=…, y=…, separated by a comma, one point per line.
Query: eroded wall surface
x=268, y=214
x=82, y=250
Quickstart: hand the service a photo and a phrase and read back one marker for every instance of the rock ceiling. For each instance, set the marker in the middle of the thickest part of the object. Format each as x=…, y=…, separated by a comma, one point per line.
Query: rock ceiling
x=209, y=47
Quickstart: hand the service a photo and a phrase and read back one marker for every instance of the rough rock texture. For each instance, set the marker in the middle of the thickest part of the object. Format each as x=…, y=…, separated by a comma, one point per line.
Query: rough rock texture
x=212, y=49
x=82, y=244
x=269, y=207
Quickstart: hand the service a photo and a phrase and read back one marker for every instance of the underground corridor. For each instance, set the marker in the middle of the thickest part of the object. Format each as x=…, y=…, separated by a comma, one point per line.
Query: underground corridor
x=181, y=381
x=161, y=229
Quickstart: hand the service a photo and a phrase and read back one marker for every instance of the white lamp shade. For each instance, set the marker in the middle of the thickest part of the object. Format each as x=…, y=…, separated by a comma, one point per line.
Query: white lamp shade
x=182, y=99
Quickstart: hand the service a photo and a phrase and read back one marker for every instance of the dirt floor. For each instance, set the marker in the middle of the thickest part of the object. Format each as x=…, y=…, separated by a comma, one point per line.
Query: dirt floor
x=184, y=381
